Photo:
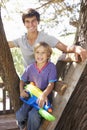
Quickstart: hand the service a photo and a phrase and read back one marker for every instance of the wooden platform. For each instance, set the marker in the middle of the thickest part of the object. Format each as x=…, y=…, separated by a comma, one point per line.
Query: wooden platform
x=8, y=122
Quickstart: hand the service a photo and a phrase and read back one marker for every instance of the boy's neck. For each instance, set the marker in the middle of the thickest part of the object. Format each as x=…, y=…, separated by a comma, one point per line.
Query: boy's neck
x=40, y=66
x=32, y=37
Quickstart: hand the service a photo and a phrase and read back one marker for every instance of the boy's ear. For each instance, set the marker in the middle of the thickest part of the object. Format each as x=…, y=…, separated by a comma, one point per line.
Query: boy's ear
x=48, y=56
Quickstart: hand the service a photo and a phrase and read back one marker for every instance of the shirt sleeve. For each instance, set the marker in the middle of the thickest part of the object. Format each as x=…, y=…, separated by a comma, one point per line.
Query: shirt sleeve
x=51, y=40
x=52, y=73
x=16, y=42
x=25, y=75
x=19, y=42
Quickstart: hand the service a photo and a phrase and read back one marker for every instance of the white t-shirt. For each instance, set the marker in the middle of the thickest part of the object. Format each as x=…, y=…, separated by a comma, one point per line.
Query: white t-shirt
x=27, y=49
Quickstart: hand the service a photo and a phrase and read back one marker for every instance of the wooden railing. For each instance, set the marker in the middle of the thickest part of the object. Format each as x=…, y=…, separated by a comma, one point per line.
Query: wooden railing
x=4, y=103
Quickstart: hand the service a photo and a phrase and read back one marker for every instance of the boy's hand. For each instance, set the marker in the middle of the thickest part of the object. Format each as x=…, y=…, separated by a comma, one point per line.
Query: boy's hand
x=24, y=94
x=42, y=100
x=82, y=52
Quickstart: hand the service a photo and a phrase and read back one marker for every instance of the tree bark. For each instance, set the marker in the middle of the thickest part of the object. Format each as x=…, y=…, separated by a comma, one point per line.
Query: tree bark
x=74, y=116
x=9, y=75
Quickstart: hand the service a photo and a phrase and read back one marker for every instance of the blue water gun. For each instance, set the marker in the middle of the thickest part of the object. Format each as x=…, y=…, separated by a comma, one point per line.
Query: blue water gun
x=34, y=93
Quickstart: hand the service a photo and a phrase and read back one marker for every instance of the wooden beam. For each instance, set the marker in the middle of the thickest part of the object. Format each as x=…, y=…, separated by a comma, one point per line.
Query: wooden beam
x=60, y=101
x=70, y=57
x=60, y=87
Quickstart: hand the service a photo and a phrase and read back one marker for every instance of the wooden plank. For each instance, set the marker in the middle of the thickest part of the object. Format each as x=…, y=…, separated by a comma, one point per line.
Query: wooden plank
x=60, y=101
x=60, y=87
x=8, y=122
x=4, y=101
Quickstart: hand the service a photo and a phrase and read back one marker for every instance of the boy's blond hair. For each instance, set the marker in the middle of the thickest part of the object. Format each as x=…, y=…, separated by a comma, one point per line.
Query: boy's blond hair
x=46, y=46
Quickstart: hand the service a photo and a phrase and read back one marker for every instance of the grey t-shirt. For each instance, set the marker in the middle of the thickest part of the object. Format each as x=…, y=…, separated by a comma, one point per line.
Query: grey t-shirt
x=27, y=49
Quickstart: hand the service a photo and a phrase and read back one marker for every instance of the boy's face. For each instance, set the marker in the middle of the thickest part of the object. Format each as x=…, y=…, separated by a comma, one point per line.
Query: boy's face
x=41, y=55
x=31, y=24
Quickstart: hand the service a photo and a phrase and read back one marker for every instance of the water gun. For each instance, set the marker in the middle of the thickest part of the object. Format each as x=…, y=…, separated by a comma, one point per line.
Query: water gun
x=34, y=93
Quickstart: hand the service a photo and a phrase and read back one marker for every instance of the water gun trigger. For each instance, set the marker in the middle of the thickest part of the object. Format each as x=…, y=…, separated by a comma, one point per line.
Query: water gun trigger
x=48, y=107
x=30, y=94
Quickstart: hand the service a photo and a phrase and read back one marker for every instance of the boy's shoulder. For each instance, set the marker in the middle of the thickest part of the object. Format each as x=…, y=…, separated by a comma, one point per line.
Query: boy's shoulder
x=30, y=66
x=42, y=33
x=51, y=64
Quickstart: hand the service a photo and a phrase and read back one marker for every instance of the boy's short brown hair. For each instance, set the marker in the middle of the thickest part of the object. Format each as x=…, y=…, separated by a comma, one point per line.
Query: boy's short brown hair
x=45, y=45
x=30, y=13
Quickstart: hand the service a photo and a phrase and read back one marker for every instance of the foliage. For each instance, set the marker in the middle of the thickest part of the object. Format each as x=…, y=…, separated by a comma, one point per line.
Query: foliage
x=55, y=14
x=58, y=14
x=18, y=61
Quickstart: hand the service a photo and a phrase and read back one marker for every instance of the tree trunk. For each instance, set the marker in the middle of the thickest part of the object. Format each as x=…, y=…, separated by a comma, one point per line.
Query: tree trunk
x=74, y=116
x=10, y=77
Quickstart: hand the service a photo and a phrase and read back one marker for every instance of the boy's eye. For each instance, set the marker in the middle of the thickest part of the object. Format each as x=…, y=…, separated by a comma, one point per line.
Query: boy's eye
x=43, y=52
x=40, y=52
x=37, y=52
x=34, y=20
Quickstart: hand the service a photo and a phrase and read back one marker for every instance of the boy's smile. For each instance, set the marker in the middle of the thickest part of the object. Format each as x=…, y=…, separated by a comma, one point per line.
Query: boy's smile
x=31, y=24
x=41, y=55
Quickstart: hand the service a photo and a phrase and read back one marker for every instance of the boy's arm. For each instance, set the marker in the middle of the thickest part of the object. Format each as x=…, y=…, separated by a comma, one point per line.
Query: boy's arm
x=21, y=85
x=22, y=90
x=73, y=49
x=49, y=88
x=43, y=98
x=11, y=44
